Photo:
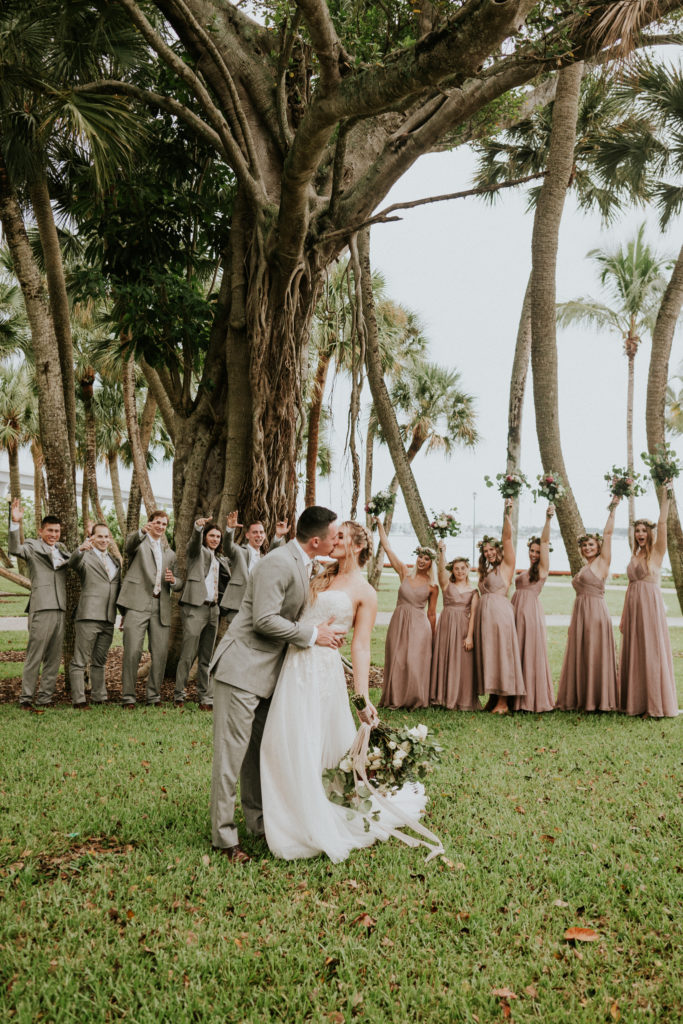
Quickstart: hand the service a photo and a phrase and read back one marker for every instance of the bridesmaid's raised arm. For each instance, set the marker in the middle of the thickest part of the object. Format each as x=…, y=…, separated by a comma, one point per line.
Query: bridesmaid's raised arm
x=659, y=548
x=444, y=575
x=396, y=564
x=544, y=562
x=602, y=562
x=508, y=564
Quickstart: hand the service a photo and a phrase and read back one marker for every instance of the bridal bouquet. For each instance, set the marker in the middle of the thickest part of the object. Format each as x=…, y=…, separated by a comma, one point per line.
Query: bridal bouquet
x=509, y=484
x=383, y=501
x=624, y=483
x=550, y=486
x=394, y=757
x=444, y=524
x=663, y=463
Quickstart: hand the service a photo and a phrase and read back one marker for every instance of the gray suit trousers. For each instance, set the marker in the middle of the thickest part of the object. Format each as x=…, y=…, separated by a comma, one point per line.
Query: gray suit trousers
x=135, y=625
x=93, y=640
x=200, y=625
x=45, y=635
x=239, y=718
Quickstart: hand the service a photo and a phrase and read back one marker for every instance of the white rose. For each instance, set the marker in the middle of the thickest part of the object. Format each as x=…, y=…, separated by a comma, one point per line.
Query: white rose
x=346, y=764
x=406, y=746
x=421, y=732
x=392, y=745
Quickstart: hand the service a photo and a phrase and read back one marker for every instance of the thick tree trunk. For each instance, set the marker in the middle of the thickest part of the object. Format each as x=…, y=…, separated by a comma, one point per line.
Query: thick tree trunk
x=85, y=498
x=314, y=414
x=382, y=401
x=59, y=302
x=55, y=439
x=38, y=461
x=518, y=376
x=662, y=338
x=12, y=449
x=113, y=464
x=138, y=450
x=367, y=482
x=543, y=297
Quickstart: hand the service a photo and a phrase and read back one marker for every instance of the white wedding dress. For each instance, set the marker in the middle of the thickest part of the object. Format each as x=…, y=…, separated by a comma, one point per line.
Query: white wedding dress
x=309, y=728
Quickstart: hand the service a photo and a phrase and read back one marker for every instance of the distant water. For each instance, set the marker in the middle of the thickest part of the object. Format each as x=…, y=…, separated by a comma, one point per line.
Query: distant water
x=404, y=541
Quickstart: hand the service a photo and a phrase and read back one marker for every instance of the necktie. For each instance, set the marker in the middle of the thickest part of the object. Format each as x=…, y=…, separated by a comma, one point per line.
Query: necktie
x=214, y=566
x=156, y=548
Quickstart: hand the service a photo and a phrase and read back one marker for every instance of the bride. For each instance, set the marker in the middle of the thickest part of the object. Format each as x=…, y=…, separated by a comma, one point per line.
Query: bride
x=310, y=726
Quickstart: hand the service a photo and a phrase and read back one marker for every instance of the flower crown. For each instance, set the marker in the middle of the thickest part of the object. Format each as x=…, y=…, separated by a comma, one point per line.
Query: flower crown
x=423, y=550
x=589, y=536
x=449, y=565
x=493, y=541
x=537, y=540
x=645, y=522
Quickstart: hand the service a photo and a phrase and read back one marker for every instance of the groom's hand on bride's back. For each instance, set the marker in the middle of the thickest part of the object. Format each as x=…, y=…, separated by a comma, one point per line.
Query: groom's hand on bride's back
x=330, y=635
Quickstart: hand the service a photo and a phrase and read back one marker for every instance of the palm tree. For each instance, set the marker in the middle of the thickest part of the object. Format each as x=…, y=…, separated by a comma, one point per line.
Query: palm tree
x=16, y=396
x=434, y=414
x=674, y=404
x=633, y=280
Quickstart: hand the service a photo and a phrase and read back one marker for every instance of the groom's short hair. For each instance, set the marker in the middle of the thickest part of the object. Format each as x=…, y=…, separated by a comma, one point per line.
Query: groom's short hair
x=314, y=521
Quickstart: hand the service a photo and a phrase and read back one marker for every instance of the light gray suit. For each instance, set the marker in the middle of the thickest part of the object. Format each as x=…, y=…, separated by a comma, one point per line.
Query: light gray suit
x=239, y=555
x=46, y=608
x=144, y=613
x=246, y=667
x=200, y=619
x=95, y=618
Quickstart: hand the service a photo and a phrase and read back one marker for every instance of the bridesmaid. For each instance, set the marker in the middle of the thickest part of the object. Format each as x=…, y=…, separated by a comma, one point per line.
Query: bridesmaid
x=453, y=683
x=499, y=668
x=530, y=623
x=589, y=671
x=646, y=670
x=408, y=649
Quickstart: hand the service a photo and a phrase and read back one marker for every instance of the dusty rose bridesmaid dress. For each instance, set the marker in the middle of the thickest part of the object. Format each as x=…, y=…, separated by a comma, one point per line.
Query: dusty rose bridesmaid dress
x=533, y=647
x=408, y=650
x=589, y=671
x=499, y=669
x=646, y=668
x=453, y=682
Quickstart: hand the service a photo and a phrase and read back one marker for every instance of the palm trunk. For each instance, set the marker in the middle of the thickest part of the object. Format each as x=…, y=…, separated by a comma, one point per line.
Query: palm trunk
x=138, y=451
x=369, y=460
x=55, y=436
x=416, y=443
x=37, y=456
x=59, y=302
x=629, y=442
x=85, y=499
x=15, y=491
x=543, y=297
x=113, y=464
x=314, y=414
x=658, y=375
x=518, y=377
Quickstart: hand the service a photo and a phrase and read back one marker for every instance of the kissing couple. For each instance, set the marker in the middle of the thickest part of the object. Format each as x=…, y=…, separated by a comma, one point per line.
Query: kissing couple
x=281, y=706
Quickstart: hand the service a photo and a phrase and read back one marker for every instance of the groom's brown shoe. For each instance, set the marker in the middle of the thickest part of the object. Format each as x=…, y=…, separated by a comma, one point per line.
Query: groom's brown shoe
x=233, y=853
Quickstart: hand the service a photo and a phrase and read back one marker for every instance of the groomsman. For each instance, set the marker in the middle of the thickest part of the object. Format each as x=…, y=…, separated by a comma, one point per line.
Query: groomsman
x=145, y=598
x=244, y=558
x=100, y=573
x=199, y=610
x=46, y=564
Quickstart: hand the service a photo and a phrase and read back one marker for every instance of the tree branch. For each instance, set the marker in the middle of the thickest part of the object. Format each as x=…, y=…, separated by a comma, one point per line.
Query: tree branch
x=230, y=148
x=326, y=43
x=162, y=397
x=288, y=34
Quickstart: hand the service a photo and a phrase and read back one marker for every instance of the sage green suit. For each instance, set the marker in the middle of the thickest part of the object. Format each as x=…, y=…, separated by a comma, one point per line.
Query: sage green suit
x=245, y=669
x=239, y=557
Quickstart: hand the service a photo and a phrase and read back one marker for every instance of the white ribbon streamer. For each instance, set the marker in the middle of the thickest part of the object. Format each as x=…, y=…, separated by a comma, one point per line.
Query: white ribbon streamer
x=358, y=754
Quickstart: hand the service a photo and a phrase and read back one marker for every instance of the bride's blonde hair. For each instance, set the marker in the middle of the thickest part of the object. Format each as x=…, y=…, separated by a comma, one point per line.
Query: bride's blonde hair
x=356, y=535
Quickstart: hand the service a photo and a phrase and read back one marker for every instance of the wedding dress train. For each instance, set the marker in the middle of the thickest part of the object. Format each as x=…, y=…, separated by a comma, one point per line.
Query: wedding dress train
x=309, y=728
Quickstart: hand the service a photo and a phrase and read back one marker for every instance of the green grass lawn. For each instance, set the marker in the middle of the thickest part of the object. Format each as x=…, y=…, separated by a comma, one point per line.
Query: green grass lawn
x=114, y=908
x=13, y=599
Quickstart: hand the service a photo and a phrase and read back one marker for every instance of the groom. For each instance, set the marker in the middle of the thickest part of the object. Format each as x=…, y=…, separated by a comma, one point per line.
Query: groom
x=246, y=667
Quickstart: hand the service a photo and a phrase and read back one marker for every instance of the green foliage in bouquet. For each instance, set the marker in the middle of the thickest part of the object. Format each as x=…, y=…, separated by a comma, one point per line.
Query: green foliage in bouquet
x=624, y=483
x=509, y=484
x=550, y=486
x=382, y=502
x=663, y=463
x=444, y=524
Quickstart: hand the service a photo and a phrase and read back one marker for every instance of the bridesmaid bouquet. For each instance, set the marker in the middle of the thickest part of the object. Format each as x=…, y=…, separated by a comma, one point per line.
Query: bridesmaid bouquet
x=663, y=463
x=383, y=501
x=444, y=524
x=394, y=757
x=509, y=484
x=550, y=486
x=624, y=483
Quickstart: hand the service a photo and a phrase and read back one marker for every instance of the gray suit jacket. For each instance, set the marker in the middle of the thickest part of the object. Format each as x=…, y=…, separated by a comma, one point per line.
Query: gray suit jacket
x=48, y=585
x=251, y=653
x=198, y=564
x=239, y=570
x=98, y=592
x=138, y=586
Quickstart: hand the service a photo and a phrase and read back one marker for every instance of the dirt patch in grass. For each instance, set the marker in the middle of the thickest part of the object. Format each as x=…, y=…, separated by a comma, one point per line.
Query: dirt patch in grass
x=71, y=862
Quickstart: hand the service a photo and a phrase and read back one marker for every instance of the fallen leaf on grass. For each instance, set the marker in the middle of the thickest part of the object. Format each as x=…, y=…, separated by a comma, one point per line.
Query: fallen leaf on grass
x=206, y=860
x=504, y=993
x=336, y=1017
x=581, y=935
x=560, y=903
x=546, y=838
x=507, y=1012
x=520, y=810
x=365, y=921
x=614, y=1011
x=531, y=992
x=191, y=939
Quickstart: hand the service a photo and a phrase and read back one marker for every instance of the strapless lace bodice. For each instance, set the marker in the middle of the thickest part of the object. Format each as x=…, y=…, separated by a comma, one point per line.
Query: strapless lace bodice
x=330, y=602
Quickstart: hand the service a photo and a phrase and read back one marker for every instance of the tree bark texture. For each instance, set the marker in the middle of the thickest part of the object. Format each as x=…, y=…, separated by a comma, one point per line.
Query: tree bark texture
x=544, y=245
x=138, y=451
x=113, y=464
x=518, y=378
x=629, y=441
x=314, y=414
x=655, y=414
x=38, y=461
